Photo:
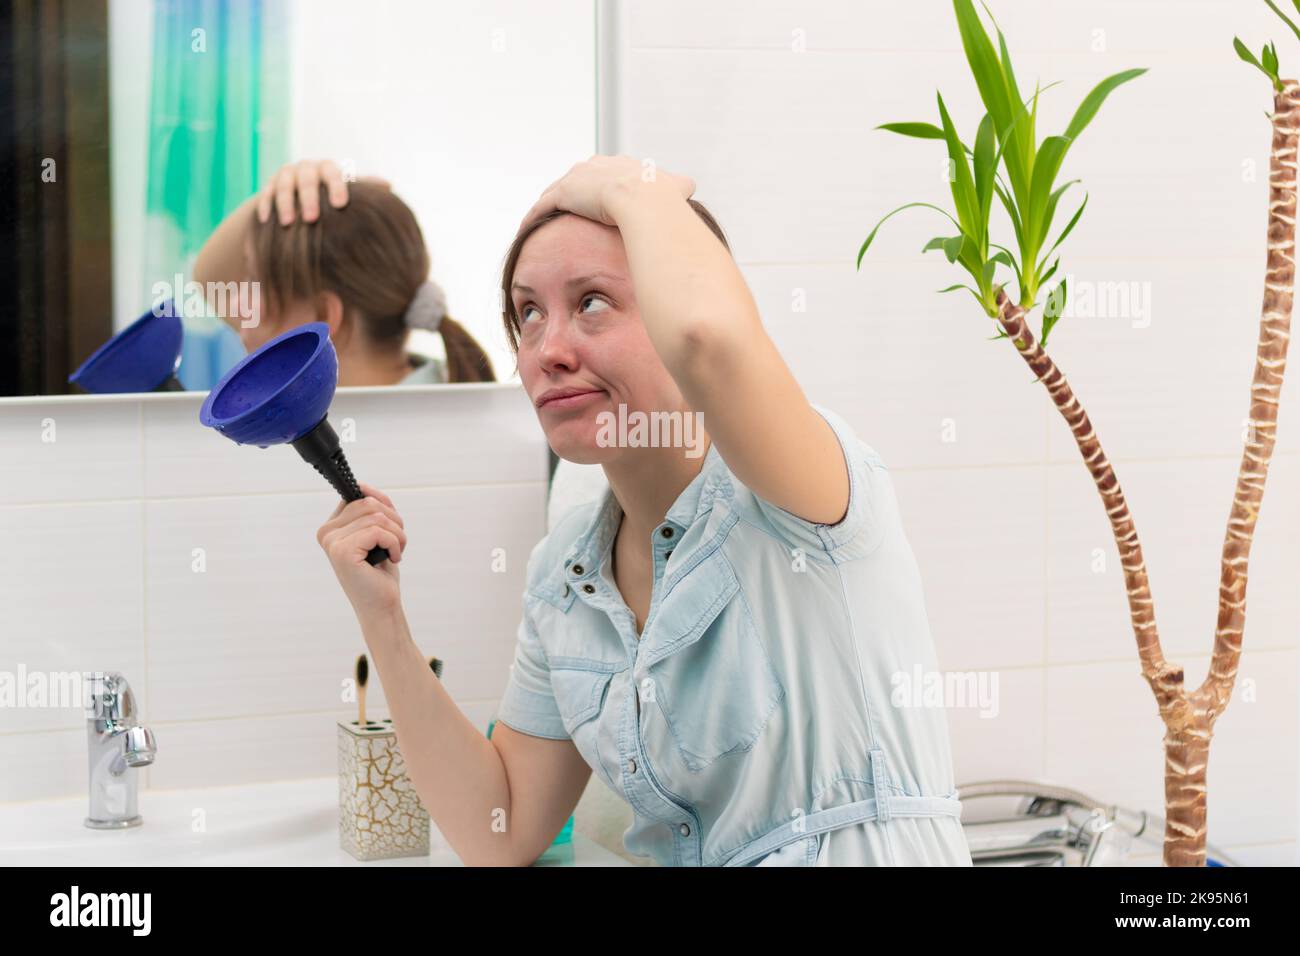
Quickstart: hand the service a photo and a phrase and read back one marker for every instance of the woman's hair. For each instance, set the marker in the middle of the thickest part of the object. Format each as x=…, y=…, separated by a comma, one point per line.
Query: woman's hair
x=508, y=314
x=371, y=254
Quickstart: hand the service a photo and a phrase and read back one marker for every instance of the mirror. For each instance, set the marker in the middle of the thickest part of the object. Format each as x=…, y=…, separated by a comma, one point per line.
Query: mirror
x=178, y=113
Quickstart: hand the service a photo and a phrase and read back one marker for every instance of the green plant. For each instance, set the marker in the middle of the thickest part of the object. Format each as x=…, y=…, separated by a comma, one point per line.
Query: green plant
x=1267, y=62
x=1030, y=193
x=1006, y=137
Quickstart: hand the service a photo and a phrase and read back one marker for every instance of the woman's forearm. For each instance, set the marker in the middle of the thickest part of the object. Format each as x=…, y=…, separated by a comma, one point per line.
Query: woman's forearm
x=221, y=260
x=456, y=770
x=688, y=288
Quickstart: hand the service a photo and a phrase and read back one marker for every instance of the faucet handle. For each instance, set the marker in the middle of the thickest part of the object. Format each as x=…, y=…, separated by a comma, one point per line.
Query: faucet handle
x=109, y=698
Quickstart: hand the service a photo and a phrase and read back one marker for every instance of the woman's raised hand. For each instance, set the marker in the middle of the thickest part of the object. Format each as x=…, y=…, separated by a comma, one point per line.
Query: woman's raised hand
x=587, y=188
x=347, y=537
x=301, y=181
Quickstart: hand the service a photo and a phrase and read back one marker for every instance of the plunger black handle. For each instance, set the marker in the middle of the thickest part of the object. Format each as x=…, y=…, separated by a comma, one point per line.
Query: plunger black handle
x=320, y=449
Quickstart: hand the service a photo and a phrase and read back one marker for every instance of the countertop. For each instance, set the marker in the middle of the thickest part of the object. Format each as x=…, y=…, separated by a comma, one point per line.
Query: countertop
x=289, y=823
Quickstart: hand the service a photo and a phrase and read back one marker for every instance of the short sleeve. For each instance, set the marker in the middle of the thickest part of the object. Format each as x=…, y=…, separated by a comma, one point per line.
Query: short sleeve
x=528, y=704
x=860, y=526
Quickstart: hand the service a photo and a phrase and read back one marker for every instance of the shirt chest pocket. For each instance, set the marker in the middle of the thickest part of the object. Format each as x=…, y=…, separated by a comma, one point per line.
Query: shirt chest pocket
x=706, y=672
x=581, y=687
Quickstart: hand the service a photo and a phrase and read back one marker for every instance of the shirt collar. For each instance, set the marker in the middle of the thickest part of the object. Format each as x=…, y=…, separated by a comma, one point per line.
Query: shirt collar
x=593, y=543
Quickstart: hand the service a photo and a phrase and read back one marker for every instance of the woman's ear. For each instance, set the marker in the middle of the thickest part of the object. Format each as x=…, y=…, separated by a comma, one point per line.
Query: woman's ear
x=329, y=309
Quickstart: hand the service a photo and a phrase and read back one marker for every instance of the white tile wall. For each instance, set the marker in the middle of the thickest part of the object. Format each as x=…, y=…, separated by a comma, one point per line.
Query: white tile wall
x=1001, y=514
x=139, y=541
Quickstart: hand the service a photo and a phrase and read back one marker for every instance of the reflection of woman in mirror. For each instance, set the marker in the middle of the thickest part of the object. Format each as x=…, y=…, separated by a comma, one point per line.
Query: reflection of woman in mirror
x=355, y=259
x=734, y=639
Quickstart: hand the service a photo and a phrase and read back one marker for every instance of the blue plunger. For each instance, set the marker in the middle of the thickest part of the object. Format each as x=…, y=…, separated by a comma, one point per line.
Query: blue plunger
x=143, y=357
x=280, y=394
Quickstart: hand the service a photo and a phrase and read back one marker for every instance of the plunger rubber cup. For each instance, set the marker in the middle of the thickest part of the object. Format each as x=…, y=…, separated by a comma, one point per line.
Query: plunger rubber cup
x=320, y=449
x=143, y=357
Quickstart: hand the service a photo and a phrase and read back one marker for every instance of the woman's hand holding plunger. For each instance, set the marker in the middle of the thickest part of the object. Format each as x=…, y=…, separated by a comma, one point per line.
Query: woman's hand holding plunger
x=347, y=537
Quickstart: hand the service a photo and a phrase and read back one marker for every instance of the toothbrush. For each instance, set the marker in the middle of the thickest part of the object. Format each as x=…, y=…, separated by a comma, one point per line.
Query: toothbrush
x=363, y=671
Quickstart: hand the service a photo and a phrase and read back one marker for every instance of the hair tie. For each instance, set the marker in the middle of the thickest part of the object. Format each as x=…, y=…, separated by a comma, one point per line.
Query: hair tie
x=427, y=307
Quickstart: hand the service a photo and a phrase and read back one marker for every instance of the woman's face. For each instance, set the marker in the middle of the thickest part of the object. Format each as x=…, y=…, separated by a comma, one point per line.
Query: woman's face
x=579, y=327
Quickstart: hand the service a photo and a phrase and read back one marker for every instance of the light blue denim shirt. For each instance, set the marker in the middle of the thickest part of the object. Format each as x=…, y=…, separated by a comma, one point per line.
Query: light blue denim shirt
x=755, y=721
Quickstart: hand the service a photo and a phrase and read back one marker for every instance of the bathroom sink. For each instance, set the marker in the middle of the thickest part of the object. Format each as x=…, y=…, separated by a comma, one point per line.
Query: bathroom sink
x=291, y=823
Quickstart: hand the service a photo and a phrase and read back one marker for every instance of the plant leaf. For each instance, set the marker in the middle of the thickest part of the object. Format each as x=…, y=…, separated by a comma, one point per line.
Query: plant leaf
x=952, y=247
x=1092, y=102
x=1269, y=58
x=1020, y=135
x=991, y=79
x=963, y=184
x=960, y=285
x=1053, y=309
x=1005, y=257
x=917, y=130
x=989, y=268
x=983, y=63
x=1050, y=216
x=1065, y=232
x=1249, y=57
x=863, y=251
x=985, y=167
x=1289, y=21
x=1046, y=165
x=1013, y=214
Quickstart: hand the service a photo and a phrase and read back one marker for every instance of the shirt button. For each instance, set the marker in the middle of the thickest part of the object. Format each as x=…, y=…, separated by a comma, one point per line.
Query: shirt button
x=589, y=589
x=577, y=569
x=667, y=532
x=685, y=830
x=631, y=766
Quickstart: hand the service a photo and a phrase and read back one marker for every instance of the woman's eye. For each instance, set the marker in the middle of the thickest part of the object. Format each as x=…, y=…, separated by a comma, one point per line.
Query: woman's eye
x=595, y=300
x=523, y=313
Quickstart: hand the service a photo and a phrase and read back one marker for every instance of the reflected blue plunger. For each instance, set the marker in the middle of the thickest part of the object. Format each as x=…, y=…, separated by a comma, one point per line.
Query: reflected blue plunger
x=279, y=395
x=143, y=357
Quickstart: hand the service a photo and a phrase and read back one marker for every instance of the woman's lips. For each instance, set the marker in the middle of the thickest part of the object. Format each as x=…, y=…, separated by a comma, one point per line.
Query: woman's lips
x=571, y=401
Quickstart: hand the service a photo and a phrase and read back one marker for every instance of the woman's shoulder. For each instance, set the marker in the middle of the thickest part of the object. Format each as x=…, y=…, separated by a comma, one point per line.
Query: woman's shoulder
x=866, y=519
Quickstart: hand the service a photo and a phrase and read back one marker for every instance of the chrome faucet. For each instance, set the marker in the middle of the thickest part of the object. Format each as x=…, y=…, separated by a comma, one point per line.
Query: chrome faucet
x=117, y=743
x=1060, y=826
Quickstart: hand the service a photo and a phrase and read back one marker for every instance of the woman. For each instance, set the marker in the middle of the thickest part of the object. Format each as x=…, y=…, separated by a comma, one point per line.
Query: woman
x=355, y=260
x=720, y=635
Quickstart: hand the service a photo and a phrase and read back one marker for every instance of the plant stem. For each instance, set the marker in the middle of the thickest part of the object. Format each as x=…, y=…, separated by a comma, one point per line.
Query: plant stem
x=1265, y=390
x=1189, y=717
x=1141, y=609
x=1187, y=744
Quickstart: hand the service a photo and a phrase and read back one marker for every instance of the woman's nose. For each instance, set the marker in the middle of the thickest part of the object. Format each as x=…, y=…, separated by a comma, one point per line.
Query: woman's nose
x=556, y=348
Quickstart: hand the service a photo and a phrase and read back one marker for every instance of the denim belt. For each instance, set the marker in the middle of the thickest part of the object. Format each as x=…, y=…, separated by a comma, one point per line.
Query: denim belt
x=880, y=808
